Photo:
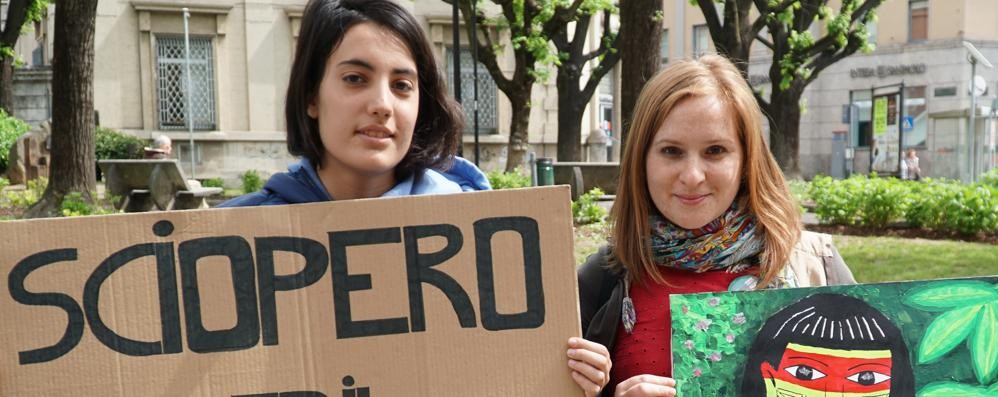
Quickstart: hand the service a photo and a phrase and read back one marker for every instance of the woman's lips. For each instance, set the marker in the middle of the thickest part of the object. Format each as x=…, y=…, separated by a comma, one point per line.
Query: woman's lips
x=691, y=199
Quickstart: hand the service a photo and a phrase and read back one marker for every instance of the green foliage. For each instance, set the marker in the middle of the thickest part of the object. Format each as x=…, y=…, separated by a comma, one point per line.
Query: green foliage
x=213, y=182
x=112, y=144
x=800, y=190
x=989, y=178
x=711, y=338
x=508, y=180
x=4, y=183
x=586, y=209
x=971, y=314
x=251, y=181
x=11, y=128
x=73, y=204
x=27, y=197
x=931, y=203
x=950, y=389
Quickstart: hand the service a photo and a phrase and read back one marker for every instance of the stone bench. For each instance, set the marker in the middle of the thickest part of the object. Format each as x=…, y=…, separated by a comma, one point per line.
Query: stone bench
x=582, y=176
x=153, y=184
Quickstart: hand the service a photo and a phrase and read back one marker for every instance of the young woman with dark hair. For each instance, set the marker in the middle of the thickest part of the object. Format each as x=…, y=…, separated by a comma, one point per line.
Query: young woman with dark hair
x=367, y=110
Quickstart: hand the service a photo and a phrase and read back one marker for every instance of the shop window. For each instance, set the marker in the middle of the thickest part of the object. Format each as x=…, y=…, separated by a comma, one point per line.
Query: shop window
x=863, y=127
x=915, y=107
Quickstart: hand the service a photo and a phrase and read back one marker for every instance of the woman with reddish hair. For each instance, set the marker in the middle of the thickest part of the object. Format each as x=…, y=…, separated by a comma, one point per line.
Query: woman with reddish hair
x=701, y=206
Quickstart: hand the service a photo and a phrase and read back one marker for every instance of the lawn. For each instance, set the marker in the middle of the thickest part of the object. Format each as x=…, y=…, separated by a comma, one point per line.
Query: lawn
x=879, y=259
x=872, y=259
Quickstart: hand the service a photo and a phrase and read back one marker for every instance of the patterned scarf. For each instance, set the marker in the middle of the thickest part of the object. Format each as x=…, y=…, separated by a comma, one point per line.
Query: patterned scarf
x=730, y=242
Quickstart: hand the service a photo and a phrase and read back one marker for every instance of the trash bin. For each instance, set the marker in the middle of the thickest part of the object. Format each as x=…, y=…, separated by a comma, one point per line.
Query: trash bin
x=545, y=171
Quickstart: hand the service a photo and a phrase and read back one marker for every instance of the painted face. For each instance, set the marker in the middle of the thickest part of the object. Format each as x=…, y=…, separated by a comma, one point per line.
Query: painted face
x=367, y=103
x=814, y=371
x=694, y=162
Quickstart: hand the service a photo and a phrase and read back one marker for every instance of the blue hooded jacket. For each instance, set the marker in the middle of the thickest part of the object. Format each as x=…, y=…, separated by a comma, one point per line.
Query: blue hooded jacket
x=301, y=184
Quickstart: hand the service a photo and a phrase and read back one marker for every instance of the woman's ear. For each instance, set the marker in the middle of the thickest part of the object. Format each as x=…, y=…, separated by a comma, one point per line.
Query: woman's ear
x=312, y=110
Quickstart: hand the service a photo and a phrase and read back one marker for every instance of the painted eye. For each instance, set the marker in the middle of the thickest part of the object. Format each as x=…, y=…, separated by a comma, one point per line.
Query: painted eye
x=868, y=378
x=804, y=372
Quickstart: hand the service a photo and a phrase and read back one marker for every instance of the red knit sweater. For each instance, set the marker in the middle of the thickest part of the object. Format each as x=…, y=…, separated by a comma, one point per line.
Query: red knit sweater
x=647, y=350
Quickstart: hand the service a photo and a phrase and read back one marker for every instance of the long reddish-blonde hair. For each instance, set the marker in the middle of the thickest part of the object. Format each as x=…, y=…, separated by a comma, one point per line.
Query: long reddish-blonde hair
x=764, y=189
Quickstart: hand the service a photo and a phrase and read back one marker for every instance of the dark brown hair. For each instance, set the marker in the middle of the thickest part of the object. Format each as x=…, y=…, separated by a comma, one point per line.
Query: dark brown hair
x=439, y=123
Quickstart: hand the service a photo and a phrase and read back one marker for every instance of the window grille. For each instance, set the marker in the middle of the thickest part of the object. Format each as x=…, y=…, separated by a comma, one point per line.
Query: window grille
x=171, y=83
x=487, y=108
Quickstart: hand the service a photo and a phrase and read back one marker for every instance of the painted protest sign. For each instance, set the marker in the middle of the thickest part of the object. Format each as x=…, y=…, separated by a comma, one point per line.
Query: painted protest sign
x=924, y=338
x=426, y=295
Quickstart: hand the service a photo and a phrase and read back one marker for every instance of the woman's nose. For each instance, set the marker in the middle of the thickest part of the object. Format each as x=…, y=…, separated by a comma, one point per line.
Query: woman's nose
x=380, y=102
x=692, y=173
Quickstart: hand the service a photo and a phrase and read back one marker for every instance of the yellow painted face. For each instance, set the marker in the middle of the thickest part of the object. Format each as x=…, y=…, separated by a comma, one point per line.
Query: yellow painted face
x=815, y=371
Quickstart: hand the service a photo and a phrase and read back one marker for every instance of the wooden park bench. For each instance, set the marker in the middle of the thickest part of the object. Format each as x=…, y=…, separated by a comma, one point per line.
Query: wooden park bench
x=153, y=184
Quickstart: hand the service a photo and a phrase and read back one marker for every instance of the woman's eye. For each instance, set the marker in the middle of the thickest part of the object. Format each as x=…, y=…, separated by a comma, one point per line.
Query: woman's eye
x=804, y=372
x=671, y=151
x=353, y=79
x=403, y=86
x=716, y=149
x=868, y=378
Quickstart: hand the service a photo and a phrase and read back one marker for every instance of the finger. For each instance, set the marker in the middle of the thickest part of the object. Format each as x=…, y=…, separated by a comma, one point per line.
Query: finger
x=595, y=375
x=590, y=357
x=580, y=343
x=646, y=378
x=587, y=385
x=647, y=389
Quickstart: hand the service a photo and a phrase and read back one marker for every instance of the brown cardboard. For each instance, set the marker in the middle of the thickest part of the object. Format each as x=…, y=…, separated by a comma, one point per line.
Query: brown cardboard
x=312, y=352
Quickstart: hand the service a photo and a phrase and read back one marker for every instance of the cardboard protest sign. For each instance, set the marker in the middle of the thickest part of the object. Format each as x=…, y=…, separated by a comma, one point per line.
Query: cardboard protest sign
x=469, y=294
x=924, y=338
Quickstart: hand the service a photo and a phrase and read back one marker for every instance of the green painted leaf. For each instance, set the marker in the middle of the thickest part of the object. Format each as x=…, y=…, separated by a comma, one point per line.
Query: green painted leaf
x=944, y=296
x=945, y=332
x=952, y=389
x=984, y=344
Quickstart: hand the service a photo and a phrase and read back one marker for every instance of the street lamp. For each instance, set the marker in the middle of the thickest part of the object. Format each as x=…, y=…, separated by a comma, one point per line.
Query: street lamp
x=974, y=57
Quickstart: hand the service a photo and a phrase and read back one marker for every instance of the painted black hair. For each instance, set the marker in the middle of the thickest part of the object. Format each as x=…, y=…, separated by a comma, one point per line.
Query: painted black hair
x=830, y=321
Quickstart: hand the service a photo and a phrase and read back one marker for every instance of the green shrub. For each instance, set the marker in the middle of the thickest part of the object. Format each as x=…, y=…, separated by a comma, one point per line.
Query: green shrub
x=586, y=209
x=251, y=181
x=926, y=209
x=882, y=201
x=212, y=182
x=508, y=180
x=112, y=144
x=73, y=204
x=836, y=201
x=990, y=178
x=799, y=189
x=27, y=197
x=11, y=128
x=972, y=209
x=4, y=183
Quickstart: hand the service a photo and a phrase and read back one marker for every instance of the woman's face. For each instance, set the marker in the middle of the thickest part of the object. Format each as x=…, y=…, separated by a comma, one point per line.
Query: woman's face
x=694, y=162
x=367, y=103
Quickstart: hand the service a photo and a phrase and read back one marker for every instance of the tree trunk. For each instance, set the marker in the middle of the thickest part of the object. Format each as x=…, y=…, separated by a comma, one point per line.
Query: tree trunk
x=518, y=144
x=784, y=129
x=7, y=85
x=569, y=113
x=72, y=168
x=640, y=44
